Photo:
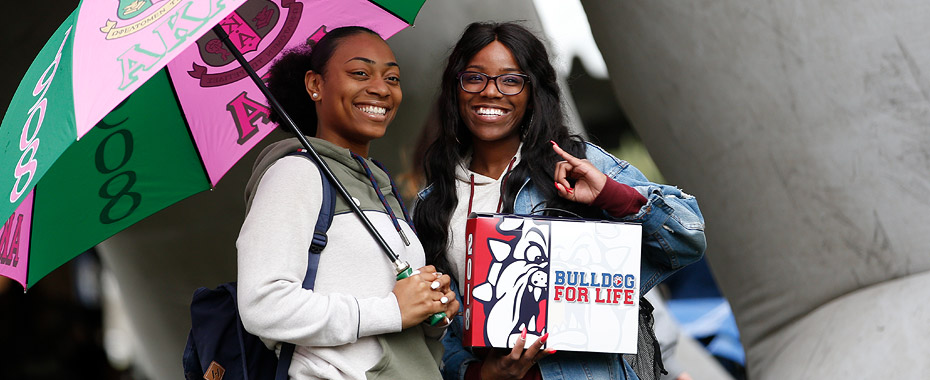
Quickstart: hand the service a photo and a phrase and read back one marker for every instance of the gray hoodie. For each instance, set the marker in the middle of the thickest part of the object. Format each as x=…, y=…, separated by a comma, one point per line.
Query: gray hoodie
x=344, y=327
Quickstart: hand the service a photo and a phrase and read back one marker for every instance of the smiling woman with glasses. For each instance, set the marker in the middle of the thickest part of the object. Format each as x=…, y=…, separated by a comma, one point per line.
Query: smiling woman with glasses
x=508, y=84
x=499, y=149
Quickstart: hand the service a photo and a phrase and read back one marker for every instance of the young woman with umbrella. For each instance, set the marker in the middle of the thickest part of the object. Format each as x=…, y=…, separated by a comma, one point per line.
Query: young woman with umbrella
x=356, y=319
x=499, y=148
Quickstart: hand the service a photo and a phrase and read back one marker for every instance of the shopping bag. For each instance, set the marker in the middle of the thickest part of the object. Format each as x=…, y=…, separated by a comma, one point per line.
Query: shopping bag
x=575, y=279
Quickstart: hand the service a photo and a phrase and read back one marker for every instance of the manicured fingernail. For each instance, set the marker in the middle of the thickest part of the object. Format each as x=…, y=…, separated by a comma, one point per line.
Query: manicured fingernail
x=571, y=191
x=523, y=334
x=558, y=186
x=544, y=338
x=551, y=350
x=553, y=143
x=444, y=300
x=438, y=274
x=415, y=272
x=434, y=285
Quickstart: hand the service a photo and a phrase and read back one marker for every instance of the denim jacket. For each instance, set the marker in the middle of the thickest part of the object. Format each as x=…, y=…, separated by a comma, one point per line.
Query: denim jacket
x=673, y=237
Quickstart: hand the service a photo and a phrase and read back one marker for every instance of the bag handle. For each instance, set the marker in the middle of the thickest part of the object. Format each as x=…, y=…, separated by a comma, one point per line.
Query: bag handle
x=544, y=209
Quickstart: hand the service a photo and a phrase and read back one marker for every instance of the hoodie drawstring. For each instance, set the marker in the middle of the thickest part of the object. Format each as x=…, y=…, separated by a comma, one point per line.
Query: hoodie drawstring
x=400, y=200
x=387, y=207
x=471, y=194
x=500, y=199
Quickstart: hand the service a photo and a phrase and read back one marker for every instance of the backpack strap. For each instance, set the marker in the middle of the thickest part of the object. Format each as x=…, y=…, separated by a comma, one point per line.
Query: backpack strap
x=323, y=222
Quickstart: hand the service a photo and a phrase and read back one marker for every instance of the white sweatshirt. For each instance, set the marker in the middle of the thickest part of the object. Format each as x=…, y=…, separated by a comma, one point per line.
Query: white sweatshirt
x=335, y=325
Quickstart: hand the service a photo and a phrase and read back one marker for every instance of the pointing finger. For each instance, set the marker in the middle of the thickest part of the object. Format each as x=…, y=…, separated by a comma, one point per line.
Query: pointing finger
x=574, y=161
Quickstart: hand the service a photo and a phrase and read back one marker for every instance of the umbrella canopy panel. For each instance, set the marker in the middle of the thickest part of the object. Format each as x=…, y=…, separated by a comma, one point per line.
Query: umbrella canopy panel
x=122, y=171
x=39, y=123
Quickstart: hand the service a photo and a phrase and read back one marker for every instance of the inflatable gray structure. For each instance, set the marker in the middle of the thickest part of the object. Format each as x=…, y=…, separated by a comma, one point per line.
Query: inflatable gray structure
x=802, y=126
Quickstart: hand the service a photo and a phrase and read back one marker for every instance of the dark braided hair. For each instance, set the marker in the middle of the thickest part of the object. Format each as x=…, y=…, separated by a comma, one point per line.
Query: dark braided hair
x=544, y=120
x=286, y=76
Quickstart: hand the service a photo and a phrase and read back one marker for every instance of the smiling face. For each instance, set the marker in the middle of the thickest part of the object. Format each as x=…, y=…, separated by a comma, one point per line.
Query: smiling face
x=358, y=92
x=490, y=116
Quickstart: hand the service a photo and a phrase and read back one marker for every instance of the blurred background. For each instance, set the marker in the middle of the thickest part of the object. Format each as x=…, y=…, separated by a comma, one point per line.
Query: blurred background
x=800, y=126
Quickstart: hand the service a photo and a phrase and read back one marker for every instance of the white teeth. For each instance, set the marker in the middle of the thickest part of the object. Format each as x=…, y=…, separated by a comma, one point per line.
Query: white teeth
x=490, y=111
x=372, y=110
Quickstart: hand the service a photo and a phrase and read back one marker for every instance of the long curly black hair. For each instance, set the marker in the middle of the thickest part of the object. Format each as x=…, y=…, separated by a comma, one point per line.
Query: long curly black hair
x=286, y=77
x=543, y=121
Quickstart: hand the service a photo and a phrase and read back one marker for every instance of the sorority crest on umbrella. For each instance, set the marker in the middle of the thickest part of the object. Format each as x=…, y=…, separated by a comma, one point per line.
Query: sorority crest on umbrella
x=132, y=8
x=134, y=12
x=247, y=27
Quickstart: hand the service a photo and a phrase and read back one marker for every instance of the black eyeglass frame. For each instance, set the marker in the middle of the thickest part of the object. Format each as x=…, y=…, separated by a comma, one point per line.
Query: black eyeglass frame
x=489, y=79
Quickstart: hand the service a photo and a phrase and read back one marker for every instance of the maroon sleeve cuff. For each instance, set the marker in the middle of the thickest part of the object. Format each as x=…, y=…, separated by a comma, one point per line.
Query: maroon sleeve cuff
x=619, y=200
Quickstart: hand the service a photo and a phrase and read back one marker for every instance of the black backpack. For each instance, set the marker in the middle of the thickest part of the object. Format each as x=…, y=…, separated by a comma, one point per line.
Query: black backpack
x=218, y=347
x=647, y=362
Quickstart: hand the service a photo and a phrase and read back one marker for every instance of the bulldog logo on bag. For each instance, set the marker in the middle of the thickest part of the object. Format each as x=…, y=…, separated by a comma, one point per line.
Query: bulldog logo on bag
x=517, y=287
x=574, y=279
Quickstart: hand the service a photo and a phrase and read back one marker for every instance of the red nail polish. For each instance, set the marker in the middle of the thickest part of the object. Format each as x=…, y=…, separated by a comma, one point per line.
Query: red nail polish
x=571, y=191
x=544, y=338
x=553, y=143
x=551, y=351
x=523, y=334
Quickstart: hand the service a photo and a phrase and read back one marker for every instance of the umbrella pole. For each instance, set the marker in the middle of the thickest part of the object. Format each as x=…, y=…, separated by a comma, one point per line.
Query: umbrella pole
x=399, y=264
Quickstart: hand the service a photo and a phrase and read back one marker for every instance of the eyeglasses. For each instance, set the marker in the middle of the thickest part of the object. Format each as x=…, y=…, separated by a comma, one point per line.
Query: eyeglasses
x=508, y=84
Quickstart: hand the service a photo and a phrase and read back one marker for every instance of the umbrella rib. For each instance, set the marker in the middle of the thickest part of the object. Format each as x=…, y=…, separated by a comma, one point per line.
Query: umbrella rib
x=35, y=193
x=187, y=124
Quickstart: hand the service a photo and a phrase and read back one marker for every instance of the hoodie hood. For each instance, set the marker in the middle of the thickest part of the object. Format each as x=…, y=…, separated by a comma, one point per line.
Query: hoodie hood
x=463, y=174
x=339, y=160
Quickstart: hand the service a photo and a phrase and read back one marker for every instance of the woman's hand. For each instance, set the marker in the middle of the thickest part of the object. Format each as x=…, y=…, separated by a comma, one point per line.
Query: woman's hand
x=588, y=180
x=452, y=304
x=444, y=281
x=499, y=364
x=424, y=293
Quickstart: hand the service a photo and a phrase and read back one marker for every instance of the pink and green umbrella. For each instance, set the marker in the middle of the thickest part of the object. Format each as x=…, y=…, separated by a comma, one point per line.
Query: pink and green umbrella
x=133, y=105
